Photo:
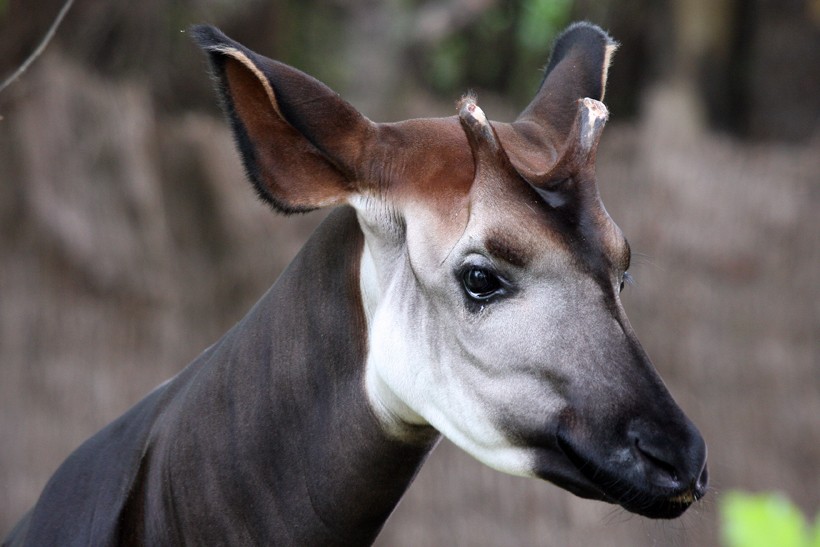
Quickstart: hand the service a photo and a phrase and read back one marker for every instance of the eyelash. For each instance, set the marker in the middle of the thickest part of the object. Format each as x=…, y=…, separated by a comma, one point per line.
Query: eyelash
x=627, y=279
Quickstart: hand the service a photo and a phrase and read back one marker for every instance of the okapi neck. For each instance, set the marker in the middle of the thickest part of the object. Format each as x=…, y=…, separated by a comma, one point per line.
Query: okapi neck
x=293, y=449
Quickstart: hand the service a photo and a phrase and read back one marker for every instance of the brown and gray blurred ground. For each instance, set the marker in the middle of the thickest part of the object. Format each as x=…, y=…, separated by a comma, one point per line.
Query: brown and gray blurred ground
x=129, y=242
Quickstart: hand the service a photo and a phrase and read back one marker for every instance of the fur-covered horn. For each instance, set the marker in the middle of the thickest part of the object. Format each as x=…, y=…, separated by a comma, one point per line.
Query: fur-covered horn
x=581, y=145
x=479, y=132
x=488, y=153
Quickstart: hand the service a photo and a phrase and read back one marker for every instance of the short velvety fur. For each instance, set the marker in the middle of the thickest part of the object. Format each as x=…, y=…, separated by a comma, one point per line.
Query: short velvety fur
x=306, y=422
x=226, y=452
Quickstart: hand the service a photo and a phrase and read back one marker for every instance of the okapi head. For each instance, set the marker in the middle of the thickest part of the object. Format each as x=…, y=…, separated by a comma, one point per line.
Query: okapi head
x=491, y=272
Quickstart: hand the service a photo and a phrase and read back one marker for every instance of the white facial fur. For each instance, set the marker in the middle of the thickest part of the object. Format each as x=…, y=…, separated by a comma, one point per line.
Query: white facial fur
x=432, y=360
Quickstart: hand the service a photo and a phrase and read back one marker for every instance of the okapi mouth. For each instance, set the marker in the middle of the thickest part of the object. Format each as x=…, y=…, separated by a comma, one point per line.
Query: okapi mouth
x=630, y=490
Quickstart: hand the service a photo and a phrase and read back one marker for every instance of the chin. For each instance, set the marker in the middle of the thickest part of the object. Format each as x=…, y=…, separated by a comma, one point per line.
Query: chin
x=590, y=481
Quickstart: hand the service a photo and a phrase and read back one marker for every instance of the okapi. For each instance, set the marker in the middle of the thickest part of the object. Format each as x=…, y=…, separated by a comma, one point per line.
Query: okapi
x=467, y=286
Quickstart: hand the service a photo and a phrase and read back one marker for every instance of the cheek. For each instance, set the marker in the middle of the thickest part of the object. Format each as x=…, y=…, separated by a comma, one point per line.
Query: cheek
x=524, y=346
x=518, y=330
x=408, y=333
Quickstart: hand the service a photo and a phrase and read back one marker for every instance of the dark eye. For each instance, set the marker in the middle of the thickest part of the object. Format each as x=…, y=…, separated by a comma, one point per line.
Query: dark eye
x=480, y=283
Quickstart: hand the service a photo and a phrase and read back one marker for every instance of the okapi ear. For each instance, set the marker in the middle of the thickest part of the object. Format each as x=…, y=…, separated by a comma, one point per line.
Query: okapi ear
x=301, y=144
x=577, y=69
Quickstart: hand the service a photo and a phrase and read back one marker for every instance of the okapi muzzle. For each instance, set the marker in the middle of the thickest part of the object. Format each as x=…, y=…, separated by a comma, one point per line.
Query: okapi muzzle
x=468, y=285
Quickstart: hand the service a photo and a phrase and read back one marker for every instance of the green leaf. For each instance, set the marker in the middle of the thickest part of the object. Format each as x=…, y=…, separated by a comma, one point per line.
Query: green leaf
x=541, y=21
x=815, y=533
x=763, y=520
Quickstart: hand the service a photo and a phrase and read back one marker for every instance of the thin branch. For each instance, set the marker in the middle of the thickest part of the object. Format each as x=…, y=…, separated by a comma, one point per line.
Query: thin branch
x=36, y=53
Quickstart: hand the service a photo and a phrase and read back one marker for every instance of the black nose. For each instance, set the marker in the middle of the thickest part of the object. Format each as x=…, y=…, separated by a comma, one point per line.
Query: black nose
x=673, y=459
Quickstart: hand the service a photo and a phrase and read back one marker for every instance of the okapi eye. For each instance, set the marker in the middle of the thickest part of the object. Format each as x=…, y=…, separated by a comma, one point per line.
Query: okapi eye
x=480, y=283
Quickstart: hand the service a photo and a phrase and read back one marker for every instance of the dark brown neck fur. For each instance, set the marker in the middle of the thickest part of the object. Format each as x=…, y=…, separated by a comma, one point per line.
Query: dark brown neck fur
x=267, y=438
x=284, y=441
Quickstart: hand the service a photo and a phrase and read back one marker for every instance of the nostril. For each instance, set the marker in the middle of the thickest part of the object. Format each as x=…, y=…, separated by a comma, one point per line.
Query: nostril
x=664, y=470
x=671, y=459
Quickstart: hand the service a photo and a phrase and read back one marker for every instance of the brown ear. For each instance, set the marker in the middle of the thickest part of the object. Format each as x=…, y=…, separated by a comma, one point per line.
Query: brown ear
x=301, y=144
x=577, y=69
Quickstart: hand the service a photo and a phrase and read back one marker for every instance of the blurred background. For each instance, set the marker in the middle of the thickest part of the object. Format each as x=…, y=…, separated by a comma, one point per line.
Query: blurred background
x=130, y=241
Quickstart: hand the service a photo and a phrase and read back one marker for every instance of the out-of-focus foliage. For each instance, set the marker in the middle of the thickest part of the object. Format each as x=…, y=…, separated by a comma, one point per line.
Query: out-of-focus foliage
x=765, y=520
x=498, y=51
x=541, y=20
x=737, y=59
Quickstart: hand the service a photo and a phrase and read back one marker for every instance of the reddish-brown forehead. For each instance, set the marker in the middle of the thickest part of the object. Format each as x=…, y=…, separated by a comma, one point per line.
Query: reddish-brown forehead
x=524, y=233
x=425, y=160
x=429, y=162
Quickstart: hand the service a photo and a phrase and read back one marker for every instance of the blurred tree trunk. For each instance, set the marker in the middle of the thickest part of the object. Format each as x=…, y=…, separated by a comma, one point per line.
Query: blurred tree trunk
x=747, y=67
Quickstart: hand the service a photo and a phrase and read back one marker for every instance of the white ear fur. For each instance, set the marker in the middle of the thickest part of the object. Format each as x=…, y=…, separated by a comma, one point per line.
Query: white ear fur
x=245, y=60
x=608, y=53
